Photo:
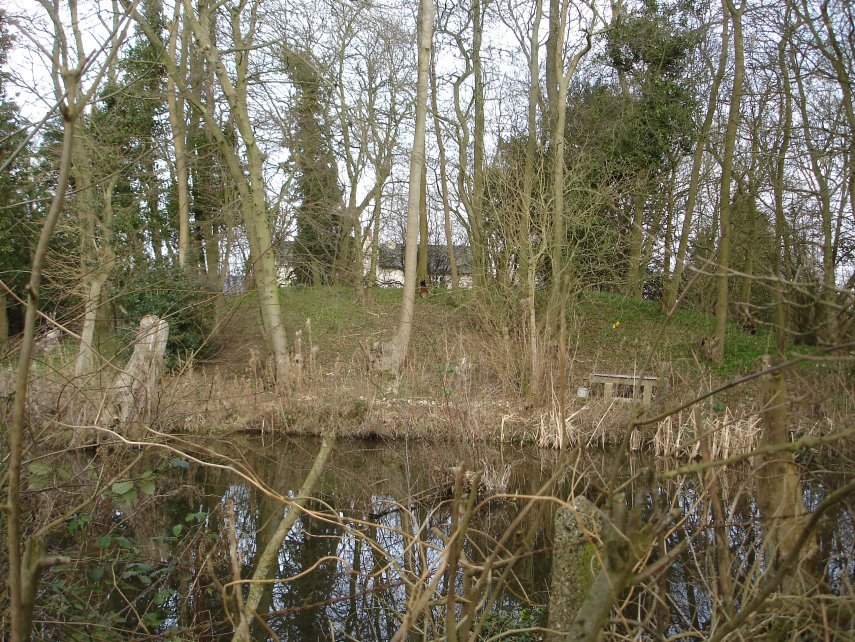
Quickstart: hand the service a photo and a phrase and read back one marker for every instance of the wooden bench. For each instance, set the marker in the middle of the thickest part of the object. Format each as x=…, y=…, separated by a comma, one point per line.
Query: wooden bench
x=625, y=388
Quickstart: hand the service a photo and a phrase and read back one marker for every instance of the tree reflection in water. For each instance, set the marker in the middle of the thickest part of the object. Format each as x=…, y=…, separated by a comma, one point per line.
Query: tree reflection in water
x=382, y=519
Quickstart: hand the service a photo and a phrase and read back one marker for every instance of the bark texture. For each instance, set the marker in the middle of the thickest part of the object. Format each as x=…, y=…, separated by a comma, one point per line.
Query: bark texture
x=130, y=399
x=389, y=356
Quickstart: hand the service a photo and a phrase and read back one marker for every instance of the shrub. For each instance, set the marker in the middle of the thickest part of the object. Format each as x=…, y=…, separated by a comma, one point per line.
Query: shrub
x=172, y=294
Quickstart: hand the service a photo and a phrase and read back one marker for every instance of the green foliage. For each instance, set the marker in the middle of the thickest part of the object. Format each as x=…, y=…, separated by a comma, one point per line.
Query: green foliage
x=632, y=126
x=16, y=188
x=626, y=126
x=172, y=294
x=506, y=622
x=654, y=39
x=319, y=213
x=112, y=591
x=42, y=475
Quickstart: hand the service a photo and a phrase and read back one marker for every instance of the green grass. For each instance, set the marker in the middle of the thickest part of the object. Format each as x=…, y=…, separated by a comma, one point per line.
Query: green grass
x=606, y=332
x=625, y=329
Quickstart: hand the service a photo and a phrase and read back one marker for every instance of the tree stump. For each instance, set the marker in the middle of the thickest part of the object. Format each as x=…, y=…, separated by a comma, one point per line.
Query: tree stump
x=128, y=404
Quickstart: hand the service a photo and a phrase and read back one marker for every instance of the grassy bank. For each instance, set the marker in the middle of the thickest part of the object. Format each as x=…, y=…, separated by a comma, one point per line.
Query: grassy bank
x=462, y=379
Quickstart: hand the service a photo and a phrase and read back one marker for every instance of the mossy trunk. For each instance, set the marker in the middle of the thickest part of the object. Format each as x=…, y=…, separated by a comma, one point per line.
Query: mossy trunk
x=778, y=475
x=574, y=563
x=722, y=273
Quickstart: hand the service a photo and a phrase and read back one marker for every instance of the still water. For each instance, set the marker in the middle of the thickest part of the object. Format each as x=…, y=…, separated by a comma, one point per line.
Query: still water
x=376, y=533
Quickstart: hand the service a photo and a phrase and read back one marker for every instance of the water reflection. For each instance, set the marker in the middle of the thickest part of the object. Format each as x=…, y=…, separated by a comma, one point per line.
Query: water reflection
x=381, y=522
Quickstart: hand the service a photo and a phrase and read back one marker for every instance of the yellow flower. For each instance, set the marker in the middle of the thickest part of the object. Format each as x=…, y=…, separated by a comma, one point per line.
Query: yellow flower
x=615, y=325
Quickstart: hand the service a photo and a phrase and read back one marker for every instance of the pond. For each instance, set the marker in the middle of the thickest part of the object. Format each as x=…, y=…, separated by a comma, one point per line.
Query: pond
x=162, y=558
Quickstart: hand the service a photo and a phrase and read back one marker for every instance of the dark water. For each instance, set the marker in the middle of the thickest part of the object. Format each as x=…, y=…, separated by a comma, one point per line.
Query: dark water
x=383, y=512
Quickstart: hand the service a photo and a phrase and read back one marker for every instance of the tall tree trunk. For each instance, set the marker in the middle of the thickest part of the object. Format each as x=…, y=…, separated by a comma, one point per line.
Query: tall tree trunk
x=672, y=288
x=476, y=222
x=26, y=565
x=424, y=242
x=635, y=282
x=375, y=238
x=390, y=356
x=443, y=179
x=668, y=249
x=826, y=331
x=528, y=266
x=725, y=205
x=253, y=200
x=558, y=107
x=748, y=268
x=101, y=260
x=175, y=109
x=837, y=56
x=786, y=118
x=554, y=45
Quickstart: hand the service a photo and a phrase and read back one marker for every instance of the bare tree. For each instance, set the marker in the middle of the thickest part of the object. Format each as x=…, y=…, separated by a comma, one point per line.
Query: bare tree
x=248, y=176
x=389, y=356
x=69, y=66
x=716, y=351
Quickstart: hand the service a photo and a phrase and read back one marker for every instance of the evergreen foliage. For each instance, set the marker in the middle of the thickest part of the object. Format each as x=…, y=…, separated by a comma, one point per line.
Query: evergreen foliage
x=319, y=224
x=17, y=189
x=172, y=294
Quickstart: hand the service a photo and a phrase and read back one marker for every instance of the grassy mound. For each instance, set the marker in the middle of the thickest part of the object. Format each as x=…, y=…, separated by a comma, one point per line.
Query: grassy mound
x=462, y=378
x=606, y=333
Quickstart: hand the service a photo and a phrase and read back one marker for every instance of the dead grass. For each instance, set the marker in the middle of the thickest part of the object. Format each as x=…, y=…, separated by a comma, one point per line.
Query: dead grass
x=460, y=382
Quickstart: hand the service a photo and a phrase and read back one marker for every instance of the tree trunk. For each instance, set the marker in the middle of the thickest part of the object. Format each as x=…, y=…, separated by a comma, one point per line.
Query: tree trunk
x=4, y=318
x=786, y=118
x=23, y=574
x=101, y=263
x=129, y=403
x=528, y=262
x=389, y=356
x=748, y=268
x=635, y=282
x=783, y=508
x=554, y=46
x=175, y=109
x=672, y=289
x=268, y=557
x=253, y=201
x=443, y=180
x=375, y=239
x=825, y=323
x=725, y=205
x=668, y=248
x=558, y=106
x=476, y=223
x=86, y=353
x=574, y=562
x=838, y=57
x=624, y=542
x=424, y=242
